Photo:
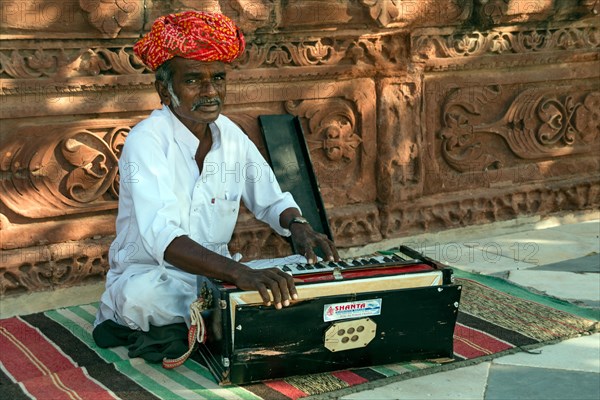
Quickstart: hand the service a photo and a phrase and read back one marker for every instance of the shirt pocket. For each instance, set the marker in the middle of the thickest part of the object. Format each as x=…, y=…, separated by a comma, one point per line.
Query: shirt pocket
x=225, y=214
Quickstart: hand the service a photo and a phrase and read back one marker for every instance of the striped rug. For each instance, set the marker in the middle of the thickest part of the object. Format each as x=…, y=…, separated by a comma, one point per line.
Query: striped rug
x=51, y=355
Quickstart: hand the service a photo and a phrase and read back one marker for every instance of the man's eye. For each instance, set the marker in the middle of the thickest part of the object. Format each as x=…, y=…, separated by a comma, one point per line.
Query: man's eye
x=189, y=81
x=219, y=78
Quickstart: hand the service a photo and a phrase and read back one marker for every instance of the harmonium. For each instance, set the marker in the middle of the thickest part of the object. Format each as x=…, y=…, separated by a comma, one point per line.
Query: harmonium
x=388, y=307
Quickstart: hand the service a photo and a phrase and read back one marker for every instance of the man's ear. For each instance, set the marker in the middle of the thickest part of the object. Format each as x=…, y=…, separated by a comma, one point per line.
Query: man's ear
x=163, y=92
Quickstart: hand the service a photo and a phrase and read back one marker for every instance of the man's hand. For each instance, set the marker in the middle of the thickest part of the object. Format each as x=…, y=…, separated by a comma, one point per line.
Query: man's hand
x=306, y=239
x=190, y=256
x=278, y=282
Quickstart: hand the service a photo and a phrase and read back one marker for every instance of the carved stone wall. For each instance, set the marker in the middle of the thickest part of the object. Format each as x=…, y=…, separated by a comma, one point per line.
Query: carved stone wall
x=420, y=116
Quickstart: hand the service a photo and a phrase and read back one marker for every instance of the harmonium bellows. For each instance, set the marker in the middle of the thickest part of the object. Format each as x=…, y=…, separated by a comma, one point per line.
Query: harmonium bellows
x=384, y=308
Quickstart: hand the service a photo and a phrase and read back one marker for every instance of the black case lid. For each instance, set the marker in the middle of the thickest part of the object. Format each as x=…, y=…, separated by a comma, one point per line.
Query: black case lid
x=290, y=159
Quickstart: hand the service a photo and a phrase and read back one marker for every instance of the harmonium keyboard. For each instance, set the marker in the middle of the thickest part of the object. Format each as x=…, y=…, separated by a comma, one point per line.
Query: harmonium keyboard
x=380, y=309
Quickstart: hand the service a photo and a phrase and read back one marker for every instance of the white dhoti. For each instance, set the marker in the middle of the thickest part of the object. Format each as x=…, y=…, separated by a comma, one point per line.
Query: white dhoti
x=145, y=295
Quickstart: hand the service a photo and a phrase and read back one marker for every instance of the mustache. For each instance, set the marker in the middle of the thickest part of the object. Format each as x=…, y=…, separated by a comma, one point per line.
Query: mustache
x=206, y=101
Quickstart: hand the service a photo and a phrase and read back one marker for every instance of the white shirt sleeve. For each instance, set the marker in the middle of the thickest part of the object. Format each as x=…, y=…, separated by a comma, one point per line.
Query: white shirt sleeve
x=262, y=194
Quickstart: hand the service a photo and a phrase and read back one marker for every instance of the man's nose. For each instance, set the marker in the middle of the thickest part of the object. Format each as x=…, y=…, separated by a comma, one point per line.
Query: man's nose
x=208, y=89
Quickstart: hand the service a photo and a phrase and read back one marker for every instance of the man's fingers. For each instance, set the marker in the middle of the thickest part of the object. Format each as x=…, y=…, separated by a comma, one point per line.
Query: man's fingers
x=274, y=286
x=321, y=241
x=291, y=285
x=276, y=292
x=334, y=252
x=328, y=248
x=264, y=294
x=282, y=287
x=310, y=255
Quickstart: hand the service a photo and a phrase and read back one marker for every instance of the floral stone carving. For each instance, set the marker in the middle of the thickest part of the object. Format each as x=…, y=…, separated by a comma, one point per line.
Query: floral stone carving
x=540, y=123
x=67, y=63
x=333, y=137
x=505, y=40
x=392, y=13
x=110, y=16
x=71, y=172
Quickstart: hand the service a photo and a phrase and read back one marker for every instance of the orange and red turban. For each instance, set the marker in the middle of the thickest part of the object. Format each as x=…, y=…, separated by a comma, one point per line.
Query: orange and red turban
x=201, y=36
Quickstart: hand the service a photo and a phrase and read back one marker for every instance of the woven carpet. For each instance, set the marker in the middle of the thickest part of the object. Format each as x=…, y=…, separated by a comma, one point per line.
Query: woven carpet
x=51, y=355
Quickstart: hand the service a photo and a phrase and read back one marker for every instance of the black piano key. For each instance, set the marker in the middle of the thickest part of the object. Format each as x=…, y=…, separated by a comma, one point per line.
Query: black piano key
x=320, y=265
x=332, y=264
x=356, y=262
x=285, y=268
x=387, y=259
x=309, y=266
x=374, y=261
x=396, y=257
x=300, y=267
x=344, y=264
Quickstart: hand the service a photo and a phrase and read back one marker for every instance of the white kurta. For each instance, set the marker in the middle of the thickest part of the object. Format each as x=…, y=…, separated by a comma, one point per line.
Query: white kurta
x=162, y=196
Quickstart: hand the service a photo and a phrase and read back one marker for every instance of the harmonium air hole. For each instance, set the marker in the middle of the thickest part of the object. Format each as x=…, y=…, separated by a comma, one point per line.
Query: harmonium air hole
x=354, y=338
x=350, y=331
x=341, y=332
x=360, y=328
x=345, y=339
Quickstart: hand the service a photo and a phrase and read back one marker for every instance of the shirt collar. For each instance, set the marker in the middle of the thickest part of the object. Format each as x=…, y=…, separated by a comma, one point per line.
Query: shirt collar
x=184, y=136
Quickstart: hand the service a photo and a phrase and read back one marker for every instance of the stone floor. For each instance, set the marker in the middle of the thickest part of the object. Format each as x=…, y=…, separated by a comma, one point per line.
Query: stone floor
x=559, y=256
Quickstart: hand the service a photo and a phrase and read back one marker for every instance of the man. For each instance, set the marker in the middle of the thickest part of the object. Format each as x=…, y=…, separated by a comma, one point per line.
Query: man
x=177, y=208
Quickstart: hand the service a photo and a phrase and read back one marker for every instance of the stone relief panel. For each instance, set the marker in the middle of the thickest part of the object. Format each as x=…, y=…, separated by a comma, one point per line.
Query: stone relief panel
x=334, y=135
x=491, y=134
x=62, y=170
x=406, y=13
x=304, y=53
x=302, y=13
x=516, y=44
x=22, y=62
x=441, y=212
x=109, y=17
x=540, y=123
x=399, y=162
x=49, y=267
x=19, y=233
x=267, y=16
x=326, y=55
x=498, y=12
x=513, y=11
x=30, y=19
x=359, y=223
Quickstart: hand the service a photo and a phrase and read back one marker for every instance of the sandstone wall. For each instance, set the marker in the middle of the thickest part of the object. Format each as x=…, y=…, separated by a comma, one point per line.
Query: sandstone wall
x=420, y=116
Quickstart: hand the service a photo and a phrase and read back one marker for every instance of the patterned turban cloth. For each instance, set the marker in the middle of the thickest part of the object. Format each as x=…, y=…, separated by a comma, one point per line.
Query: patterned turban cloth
x=201, y=36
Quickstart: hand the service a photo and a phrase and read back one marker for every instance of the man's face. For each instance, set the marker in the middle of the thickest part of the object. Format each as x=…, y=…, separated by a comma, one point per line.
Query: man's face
x=200, y=88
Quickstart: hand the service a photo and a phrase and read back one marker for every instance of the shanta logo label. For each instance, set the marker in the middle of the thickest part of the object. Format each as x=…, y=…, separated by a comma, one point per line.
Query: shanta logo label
x=352, y=309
